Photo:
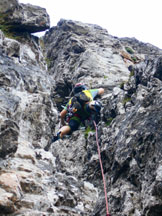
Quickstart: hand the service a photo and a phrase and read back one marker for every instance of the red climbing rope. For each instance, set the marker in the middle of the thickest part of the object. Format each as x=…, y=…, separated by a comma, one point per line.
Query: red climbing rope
x=99, y=154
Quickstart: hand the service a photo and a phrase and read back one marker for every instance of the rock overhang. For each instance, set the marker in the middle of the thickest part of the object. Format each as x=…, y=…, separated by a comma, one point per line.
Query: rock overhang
x=17, y=17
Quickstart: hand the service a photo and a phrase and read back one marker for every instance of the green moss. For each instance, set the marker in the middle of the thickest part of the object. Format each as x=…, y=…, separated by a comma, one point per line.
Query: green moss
x=6, y=29
x=4, y=26
x=109, y=120
x=131, y=74
x=105, y=77
x=126, y=99
x=2, y=18
x=87, y=130
x=129, y=50
x=134, y=59
x=122, y=84
x=48, y=62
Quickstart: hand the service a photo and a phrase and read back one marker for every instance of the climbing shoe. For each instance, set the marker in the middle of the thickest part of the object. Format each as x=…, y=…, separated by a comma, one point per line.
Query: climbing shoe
x=54, y=138
x=46, y=148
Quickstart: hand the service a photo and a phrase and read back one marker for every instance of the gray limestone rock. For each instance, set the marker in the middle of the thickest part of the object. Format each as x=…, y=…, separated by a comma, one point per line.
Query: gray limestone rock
x=8, y=6
x=8, y=138
x=23, y=17
x=36, y=80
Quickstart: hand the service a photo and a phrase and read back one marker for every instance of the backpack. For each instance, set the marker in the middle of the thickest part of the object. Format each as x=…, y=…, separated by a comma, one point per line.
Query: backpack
x=80, y=97
x=78, y=101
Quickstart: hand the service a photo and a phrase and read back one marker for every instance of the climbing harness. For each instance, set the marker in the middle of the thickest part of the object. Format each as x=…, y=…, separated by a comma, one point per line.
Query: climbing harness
x=103, y=177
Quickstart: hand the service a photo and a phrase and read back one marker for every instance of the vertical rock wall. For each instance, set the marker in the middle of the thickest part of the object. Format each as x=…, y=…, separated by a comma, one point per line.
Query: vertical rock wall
x=36, y=80
x=130, y=130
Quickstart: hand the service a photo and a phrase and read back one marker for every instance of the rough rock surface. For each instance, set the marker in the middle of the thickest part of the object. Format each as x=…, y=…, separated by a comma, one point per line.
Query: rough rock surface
x=66, y=181
x=22, y=17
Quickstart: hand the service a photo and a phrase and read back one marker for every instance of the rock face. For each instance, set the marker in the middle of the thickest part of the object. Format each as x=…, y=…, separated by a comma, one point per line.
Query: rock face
x=22, y=17
x=133, y=141
x=36, y=78
x=91, y=55
x=7, y=5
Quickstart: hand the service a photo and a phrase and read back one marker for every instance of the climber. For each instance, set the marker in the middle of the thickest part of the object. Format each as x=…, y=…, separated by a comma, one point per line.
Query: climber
x=79, y=108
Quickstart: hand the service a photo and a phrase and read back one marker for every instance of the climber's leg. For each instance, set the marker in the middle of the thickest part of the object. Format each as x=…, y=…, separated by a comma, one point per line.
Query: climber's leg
x=64, y=131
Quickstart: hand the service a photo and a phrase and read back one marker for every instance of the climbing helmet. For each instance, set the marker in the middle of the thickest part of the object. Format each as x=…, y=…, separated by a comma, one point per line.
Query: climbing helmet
x=79, y=87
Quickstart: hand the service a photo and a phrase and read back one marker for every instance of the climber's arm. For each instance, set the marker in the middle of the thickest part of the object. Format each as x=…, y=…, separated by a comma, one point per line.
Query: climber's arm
x=100, y=91
x=94, y=105
x=62, y=115
x=96, y=92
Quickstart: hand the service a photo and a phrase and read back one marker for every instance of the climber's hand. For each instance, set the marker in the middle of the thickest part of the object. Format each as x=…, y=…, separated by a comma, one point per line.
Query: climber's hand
x=95, y=106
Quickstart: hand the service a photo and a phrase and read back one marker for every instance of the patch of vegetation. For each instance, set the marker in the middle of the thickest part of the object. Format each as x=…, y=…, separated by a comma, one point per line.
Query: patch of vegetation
x=9, y=29
x=129, y=50
x=126, y=99
x=122, y=85
x=105, y=77
x=109, y=120
x=131, y=74
x=2, y=18
x=87, y=130
x=134, y=59
x=6, y=29
x=48, y=62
